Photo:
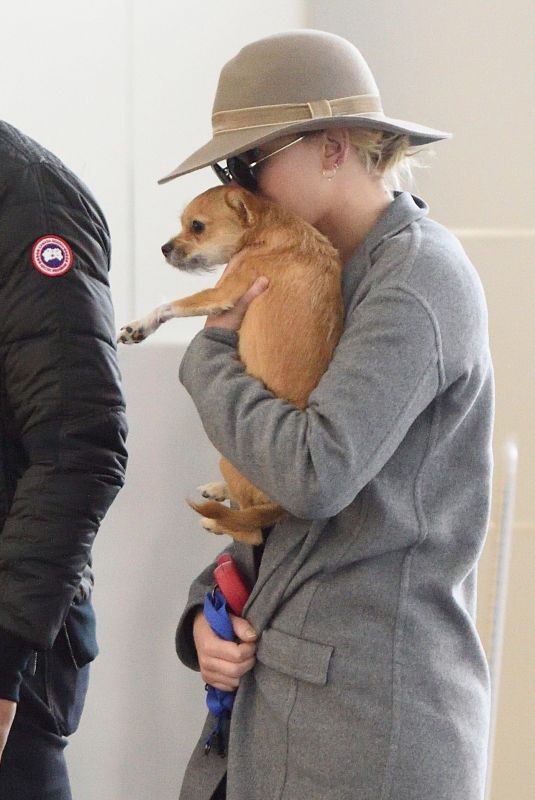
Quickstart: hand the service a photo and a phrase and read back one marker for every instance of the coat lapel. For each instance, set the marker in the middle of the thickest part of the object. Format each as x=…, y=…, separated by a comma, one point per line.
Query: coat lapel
x=289, y=544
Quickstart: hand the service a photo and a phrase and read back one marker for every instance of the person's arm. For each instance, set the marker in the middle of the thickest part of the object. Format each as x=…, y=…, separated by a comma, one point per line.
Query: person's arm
x=62, y=409
x=386, y=369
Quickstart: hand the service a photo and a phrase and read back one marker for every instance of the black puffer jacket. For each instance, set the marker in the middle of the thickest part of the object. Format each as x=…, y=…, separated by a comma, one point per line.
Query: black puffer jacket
x=62, y=422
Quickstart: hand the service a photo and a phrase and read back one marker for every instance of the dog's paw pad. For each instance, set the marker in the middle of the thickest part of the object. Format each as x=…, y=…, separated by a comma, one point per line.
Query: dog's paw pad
x=131, y=334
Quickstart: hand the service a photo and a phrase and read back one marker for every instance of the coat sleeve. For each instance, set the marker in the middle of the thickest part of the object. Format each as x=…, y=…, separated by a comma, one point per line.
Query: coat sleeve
x=386, y=369
x=62, y=415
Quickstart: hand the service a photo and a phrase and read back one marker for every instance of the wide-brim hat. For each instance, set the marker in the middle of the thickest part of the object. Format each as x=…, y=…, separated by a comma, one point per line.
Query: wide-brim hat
x=294, y=82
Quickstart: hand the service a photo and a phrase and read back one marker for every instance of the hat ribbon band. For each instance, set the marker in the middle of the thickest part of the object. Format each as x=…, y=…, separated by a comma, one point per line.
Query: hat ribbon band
x=288, y=113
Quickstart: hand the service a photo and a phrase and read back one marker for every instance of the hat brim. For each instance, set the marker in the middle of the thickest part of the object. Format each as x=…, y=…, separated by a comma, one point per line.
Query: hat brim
x=232, y=143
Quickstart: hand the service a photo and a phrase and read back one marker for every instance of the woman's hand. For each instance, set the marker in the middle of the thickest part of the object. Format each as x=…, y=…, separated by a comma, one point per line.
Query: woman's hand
x=223, y=663
x=7, y=715
x=232, y=319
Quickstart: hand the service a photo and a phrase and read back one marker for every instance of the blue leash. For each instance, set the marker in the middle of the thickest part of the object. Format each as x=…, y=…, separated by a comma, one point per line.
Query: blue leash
x=219, y=702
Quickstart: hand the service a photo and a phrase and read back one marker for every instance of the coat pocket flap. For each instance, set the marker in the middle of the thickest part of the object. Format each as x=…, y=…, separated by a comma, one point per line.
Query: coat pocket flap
x=299, y=658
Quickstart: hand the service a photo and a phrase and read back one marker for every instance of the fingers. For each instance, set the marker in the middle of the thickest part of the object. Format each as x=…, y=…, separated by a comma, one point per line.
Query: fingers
x=224, y=663
x=257, y=288
x=223, y=674
x=232, y=319
x=235, y=653
x=243, y=629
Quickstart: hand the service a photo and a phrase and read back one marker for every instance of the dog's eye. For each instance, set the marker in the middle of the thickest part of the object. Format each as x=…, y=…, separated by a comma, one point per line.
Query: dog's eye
x=197, y=226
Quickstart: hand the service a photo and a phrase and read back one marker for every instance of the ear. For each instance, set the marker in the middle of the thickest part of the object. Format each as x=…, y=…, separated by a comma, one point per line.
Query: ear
x=335, y=148
x=241, y=201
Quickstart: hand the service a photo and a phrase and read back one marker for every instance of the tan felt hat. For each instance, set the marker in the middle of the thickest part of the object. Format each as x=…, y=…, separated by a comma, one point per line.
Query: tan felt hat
x=293, y=82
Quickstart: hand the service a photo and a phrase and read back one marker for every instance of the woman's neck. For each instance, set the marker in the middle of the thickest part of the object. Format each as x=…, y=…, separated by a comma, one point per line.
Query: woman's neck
x=354, y=212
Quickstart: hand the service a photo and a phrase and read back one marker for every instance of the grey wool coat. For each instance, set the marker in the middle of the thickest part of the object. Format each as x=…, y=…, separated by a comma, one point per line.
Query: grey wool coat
x=370, y=682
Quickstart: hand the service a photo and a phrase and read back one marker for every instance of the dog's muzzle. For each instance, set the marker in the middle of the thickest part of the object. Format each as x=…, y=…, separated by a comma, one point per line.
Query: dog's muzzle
x=177, y=258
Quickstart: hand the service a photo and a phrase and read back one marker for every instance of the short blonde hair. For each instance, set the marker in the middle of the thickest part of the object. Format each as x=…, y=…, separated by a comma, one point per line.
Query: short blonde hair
x=388, y=154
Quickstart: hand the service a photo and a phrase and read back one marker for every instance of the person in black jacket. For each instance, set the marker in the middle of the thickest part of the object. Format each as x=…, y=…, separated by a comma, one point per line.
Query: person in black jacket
x=62, y=455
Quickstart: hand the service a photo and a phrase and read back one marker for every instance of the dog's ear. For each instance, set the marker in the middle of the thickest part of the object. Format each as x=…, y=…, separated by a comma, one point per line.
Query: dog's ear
x=241, y=202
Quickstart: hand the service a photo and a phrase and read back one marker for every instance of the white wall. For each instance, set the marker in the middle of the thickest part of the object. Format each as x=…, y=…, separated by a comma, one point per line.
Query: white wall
x=122, y=91
x=64, y=77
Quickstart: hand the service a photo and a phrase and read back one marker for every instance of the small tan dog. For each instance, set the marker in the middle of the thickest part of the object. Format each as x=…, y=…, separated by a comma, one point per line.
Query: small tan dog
x=288, y=334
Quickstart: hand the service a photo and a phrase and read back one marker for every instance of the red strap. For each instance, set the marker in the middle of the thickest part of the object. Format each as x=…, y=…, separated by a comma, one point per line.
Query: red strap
x=231, y=583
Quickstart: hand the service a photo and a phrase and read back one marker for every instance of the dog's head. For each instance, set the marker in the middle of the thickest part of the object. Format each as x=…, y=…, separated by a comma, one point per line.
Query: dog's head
x=214, y=227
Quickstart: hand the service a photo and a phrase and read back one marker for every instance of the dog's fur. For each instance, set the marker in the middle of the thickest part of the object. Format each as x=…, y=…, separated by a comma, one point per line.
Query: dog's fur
x=288, y=334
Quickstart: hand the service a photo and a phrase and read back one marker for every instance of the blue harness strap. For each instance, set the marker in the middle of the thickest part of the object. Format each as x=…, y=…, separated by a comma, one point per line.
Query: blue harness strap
x=215, y=611
x=219, y=702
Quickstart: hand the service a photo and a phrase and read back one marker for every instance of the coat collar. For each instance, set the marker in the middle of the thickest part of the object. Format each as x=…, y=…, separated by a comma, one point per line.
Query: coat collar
x=402, y=211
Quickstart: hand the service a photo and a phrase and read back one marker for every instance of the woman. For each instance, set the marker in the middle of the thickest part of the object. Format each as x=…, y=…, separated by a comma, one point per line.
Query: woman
x=360, y=671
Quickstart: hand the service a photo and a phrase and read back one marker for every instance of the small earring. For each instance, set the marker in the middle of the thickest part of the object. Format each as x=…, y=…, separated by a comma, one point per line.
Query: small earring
x=329, y=174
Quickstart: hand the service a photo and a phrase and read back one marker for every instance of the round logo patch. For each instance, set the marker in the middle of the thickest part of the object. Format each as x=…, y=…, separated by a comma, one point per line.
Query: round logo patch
x=52, y=256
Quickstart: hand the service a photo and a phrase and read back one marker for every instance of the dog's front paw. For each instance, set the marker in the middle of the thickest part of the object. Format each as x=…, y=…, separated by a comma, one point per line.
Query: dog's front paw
x=132, y=333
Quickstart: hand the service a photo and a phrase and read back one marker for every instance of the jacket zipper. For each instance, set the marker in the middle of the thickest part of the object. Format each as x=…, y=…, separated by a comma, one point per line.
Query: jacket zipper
x=75, y=662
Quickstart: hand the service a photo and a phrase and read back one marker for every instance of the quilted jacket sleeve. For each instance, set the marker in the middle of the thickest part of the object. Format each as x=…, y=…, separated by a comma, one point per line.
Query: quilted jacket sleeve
x=62, y=408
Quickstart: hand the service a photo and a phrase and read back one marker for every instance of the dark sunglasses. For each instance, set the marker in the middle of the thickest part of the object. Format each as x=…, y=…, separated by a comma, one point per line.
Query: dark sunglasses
x=243, y=172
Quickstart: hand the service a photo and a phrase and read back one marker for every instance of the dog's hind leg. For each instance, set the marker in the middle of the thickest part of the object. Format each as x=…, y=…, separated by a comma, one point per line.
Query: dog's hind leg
x=254, y=536
x=215, y=491
x=239, y=488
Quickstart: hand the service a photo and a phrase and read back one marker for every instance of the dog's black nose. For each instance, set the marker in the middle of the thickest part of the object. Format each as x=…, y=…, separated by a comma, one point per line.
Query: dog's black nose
x=166, y=248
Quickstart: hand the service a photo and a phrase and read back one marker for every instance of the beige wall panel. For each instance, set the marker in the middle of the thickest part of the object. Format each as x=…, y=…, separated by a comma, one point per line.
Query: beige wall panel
x=514, y=751
x=507, y=270
x=464, y=67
